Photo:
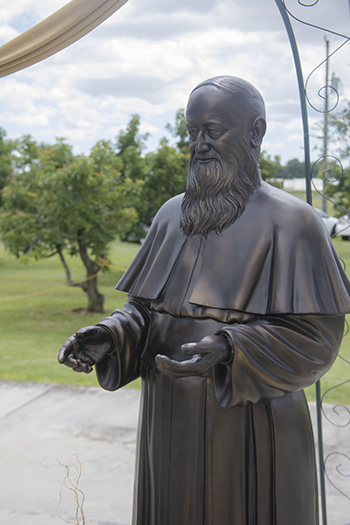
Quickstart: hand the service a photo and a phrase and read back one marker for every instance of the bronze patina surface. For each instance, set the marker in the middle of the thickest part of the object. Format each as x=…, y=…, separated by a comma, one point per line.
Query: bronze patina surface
x=236, y=303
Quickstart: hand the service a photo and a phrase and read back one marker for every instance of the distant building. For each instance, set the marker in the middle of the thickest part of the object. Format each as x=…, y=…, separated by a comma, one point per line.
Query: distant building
x=299, y=184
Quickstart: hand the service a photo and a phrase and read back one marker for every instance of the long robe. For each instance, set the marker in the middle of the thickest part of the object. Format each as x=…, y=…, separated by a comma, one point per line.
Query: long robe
x=235, y=446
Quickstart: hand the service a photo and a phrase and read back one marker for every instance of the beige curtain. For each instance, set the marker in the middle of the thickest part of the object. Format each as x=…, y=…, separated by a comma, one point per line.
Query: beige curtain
x=57, y=31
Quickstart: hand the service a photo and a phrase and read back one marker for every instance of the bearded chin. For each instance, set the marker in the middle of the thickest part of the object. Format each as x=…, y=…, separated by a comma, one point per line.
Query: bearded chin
x=217, y=192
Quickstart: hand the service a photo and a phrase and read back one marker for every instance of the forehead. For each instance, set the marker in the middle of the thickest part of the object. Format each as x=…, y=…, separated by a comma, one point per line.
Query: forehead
x=210, y=104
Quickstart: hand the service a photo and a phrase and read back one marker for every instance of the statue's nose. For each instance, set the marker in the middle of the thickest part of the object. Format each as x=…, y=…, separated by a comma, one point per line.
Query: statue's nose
x=201, y=143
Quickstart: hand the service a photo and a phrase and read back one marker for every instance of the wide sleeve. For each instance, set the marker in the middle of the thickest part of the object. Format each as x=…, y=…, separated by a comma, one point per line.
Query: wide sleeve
x=274, y=355
x=128, y=328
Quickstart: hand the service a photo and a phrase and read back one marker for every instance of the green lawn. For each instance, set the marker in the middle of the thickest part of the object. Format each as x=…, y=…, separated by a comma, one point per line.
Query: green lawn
x=38, y=311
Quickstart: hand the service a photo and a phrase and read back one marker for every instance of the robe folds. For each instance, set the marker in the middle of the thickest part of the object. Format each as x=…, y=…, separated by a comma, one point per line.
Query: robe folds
x=233, y=446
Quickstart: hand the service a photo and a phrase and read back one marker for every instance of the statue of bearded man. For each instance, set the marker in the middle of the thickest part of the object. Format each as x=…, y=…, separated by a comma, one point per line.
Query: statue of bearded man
x=236, y=304
x=223, y=169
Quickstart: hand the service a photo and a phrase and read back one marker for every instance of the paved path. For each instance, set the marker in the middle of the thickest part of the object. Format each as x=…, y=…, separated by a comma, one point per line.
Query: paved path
x=41, y=424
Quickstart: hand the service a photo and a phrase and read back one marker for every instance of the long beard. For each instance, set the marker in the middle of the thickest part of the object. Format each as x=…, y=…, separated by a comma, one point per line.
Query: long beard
x=217, y=192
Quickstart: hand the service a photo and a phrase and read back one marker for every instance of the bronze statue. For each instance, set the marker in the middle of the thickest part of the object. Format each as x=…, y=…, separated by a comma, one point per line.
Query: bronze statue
x=236, y=303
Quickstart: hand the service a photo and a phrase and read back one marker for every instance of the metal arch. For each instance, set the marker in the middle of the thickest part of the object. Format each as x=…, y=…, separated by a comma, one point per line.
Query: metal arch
x=286, y=14
x=302, y=95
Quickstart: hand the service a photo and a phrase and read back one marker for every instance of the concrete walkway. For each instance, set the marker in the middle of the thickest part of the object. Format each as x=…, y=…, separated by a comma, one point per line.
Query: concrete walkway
x=42, y=424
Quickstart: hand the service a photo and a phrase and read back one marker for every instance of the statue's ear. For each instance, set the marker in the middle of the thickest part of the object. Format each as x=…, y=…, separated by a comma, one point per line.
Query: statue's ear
x=258, y=132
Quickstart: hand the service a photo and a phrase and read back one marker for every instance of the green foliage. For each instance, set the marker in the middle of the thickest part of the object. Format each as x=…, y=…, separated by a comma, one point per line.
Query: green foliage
x=340, y=190
x=128, y=149
x=6, y=160
x=131, y=137
x=339, y=186
x=341, y=127
x=103, y=159
x=127, y=154
x=164, y=171
x=55, y=157
x=272, y=168
x=28, y=152
x=269, y=166
x=165, y=176
x=179, y=131
x=69, y=204
x=65, y=199
x=294, y=169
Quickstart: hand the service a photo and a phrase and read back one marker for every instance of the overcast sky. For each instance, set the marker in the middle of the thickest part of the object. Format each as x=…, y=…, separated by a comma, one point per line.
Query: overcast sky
x=147, y=57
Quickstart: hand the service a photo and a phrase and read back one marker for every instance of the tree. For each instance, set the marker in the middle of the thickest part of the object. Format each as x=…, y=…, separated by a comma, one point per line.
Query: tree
x=6, y=160
x=27, y=153
x=340, y=123
x=164, y=173
x=165, y=176
x=338, y=183
x=69, y=204
x=337, y=187
x=128, y=150
x=294, y=169
x=269, y=166
x=129, y=146
x=179, y=131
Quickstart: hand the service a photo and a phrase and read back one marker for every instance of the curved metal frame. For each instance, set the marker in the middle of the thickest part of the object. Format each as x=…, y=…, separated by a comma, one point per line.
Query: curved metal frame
x=304, y=99
x=284, y=13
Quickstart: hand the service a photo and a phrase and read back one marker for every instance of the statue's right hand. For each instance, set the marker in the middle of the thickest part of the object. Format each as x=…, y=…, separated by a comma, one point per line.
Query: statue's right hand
x=85, y=348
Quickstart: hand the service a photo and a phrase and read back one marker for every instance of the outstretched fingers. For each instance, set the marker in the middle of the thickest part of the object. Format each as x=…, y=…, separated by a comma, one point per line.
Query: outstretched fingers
x=67, y=349
x=71, y=355
x=173, y=368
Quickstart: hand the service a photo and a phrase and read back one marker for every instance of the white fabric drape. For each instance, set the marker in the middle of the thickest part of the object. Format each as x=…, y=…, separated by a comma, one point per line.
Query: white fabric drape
x=57, y=31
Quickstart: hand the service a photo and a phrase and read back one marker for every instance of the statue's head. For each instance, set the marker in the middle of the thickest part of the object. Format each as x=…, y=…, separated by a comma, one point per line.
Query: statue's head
x=222, y=111
x=226, y=123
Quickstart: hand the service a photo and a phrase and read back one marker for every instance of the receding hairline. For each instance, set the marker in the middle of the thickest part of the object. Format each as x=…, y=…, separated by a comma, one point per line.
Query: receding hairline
x=236, y=86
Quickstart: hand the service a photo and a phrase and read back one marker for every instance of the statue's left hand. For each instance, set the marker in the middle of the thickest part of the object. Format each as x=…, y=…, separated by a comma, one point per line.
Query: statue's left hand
x=206, y=354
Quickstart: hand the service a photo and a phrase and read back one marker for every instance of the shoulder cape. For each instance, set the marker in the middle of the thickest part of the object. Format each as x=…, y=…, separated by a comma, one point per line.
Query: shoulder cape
x=277, y=258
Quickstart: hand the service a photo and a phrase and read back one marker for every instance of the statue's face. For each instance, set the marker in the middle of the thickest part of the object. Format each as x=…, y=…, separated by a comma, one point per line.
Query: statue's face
x=216, y=124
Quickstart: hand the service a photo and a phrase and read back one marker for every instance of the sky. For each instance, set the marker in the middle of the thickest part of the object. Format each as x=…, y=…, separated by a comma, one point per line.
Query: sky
x=148, y=56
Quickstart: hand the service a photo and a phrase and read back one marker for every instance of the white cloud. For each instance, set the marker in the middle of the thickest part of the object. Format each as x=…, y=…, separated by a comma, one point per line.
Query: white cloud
x=148, y=56
x=7, y=33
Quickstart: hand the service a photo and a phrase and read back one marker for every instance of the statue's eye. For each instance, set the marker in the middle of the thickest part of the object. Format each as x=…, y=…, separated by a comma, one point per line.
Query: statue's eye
x=193, y=133
x=214, y=133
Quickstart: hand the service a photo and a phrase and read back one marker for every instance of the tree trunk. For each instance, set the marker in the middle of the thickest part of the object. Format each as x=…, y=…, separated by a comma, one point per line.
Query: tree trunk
x=95, y=299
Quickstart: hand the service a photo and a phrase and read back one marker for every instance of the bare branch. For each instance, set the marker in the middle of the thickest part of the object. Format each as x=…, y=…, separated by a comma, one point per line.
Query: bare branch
x=65, y=266
x=71, y=483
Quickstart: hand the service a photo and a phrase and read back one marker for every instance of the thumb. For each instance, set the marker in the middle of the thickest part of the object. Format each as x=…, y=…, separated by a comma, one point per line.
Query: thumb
x=189, y=348
x=87, y=331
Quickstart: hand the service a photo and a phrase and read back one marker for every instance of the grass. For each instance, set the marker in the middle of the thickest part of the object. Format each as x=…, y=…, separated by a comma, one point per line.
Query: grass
x=38, y=311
